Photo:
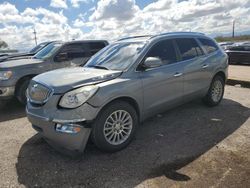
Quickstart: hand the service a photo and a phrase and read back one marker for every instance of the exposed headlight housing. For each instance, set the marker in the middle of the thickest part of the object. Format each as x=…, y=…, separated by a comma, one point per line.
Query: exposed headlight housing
x=68, y=128
x=77, y=97
x=5, y=75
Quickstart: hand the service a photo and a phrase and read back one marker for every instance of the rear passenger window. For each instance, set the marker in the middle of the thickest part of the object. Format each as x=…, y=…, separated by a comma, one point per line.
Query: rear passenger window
x=165, y=51
x=209, y=45
x=74, y=50
x=95, y=47
x=189, y=48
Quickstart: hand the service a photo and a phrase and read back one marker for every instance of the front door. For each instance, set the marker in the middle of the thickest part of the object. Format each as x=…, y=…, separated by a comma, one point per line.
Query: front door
x=162, y=86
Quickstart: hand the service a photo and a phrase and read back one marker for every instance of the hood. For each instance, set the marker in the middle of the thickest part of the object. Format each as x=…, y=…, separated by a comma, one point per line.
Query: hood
x=14, y=58
x=19, y=62
x=20, y=54
x=63, y=80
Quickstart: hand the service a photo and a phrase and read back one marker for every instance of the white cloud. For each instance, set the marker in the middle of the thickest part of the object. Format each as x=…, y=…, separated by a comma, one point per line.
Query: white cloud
x=18, y=27
x=76, y=3
x=7, y=8
x=117, y=9
x=9, y=14
x=59, y=4
x=159, y=5
x=52, y=17
x=111, y=19
x=78, y=23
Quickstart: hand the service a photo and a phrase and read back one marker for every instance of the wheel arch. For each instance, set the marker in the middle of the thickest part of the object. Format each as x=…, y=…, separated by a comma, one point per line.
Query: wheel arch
x=222, y=74
x=127, y=99
x=21, y=80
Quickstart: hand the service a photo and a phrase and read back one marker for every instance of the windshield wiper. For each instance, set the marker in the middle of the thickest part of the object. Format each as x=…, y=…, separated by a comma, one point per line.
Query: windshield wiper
x=99, y=67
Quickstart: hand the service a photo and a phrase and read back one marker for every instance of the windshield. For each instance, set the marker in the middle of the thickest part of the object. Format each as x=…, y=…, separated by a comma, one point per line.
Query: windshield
x=117, y=56
x=38, y=47
x=48, y=51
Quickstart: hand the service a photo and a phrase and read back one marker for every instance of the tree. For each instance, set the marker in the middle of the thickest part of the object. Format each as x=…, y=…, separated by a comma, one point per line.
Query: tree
x=3, y=44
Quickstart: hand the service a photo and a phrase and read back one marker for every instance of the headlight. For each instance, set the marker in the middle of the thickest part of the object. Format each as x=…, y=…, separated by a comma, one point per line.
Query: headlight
x=5, y=75
x=77, y=97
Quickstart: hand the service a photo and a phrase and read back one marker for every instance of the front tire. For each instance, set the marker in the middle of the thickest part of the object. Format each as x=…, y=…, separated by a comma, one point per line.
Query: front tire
x=21, y=91
x=115, y=127
x=215, y=92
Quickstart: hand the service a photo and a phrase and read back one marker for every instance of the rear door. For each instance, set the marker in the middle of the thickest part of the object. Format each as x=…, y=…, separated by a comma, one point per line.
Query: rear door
x=195, y=71
x=162, y=86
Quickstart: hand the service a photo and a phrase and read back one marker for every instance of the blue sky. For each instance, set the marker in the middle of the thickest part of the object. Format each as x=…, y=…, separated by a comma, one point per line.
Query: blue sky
x=111, y=19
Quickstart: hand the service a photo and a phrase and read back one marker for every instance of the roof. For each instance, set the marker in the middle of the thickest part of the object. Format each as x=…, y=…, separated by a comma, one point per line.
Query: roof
x=147, y=37
x=83, y=41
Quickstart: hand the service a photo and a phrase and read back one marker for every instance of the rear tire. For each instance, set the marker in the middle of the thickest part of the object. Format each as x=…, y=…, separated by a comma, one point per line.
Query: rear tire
x=115, y=126
x=215, y=92
x=21, y=91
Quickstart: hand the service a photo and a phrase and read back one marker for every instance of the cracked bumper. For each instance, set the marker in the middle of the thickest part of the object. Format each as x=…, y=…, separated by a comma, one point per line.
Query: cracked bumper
x=61, y=141
x=45, y=118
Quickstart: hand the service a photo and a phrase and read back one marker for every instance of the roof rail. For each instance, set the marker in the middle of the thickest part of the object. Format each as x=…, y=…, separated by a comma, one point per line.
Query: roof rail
x=139, y=36
x=179, y=32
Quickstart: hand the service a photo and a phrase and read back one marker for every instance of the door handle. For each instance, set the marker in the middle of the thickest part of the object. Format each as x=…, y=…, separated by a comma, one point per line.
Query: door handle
x=178, y=74
x=205, y=66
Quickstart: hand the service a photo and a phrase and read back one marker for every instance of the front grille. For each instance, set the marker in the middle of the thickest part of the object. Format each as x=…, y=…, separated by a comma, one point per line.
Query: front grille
x=38, y=93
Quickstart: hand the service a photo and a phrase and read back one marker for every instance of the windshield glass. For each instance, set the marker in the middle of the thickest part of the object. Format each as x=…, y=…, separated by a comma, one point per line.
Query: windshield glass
x=117, y=56
x=48, y=51
x=38, y=47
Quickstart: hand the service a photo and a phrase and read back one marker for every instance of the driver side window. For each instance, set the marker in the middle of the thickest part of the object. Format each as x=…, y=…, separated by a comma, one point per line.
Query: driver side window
x=165, y=51
x=71, y=51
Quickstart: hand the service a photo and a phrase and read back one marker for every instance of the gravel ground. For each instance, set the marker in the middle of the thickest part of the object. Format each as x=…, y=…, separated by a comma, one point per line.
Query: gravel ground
x=189, y=146
x=239, y=72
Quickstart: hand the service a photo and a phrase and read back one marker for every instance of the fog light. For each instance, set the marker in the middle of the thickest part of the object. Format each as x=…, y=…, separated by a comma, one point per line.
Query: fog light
x=68, y=128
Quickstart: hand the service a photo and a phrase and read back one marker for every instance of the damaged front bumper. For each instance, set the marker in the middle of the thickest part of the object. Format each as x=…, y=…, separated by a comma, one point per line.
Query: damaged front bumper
x=61, y=139
x=64, y=129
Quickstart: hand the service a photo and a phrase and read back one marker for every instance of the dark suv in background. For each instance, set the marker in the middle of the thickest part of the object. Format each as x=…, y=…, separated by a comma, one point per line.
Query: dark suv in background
x=239, y=53
x=16, y=74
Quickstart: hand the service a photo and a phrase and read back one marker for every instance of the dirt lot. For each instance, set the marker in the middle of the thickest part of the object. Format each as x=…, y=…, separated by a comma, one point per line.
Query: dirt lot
x=239, y=72
x=190, y=146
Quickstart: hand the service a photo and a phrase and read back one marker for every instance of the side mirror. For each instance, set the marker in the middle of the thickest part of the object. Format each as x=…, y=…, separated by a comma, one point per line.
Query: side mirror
x=152, y=62
x=61, y=57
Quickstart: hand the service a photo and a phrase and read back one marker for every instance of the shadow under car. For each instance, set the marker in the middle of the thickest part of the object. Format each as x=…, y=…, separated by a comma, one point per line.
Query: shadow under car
x=163, y=145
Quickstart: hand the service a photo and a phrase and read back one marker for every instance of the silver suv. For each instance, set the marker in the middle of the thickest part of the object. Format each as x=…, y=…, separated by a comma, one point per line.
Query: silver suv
x=122, y=85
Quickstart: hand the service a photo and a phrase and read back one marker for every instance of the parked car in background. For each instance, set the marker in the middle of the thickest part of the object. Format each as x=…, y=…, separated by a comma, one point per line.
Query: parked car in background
x=15, y=75
x=33, y=51
x=225, y=45
x=122, y=85
x=239, y=53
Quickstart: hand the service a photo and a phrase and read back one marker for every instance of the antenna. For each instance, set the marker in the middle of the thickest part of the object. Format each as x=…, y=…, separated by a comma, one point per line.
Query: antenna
x=35, y=36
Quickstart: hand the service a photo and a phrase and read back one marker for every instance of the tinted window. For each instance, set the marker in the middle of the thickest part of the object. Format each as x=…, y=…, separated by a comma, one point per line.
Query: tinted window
x=95, y=47
x=209, y=45
x=189, y=48
x=74, y=51
x=165, y=51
